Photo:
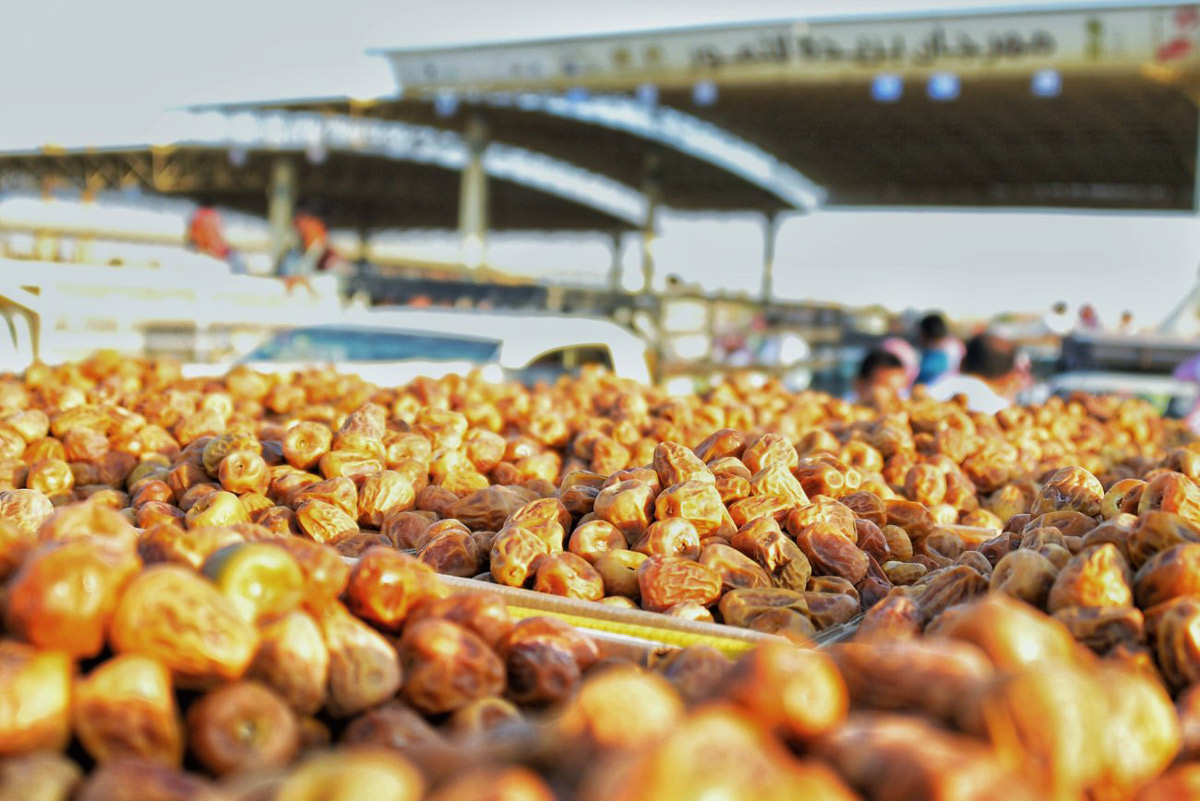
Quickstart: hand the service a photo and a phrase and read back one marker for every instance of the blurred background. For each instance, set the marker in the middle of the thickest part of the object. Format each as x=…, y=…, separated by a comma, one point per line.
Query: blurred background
x=677, y=191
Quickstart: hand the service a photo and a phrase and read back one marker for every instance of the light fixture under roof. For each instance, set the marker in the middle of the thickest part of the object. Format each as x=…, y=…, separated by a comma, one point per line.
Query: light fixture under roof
x=445, y=104
x=647, y=94
x=943, y=86
x=1046, y=83
x=887, y=87
x=704, y=93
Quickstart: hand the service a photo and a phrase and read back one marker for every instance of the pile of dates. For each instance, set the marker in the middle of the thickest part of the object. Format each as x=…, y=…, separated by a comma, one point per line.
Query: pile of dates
x=228, y=589
x=277, y=671
x=788, y=514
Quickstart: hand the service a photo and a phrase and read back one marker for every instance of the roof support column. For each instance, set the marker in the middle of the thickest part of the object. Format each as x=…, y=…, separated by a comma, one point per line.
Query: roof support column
x=653, y=193
x=615, y=268
x=771, y=223
x=45, y=242
x=473, y=196
x=281, y=205
x=1196, y=163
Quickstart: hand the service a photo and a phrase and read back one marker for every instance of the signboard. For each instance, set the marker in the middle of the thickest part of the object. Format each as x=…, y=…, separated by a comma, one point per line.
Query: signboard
x=974, y=44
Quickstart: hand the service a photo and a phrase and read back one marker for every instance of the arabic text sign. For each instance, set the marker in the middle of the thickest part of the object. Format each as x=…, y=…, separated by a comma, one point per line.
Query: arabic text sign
x=798, y=51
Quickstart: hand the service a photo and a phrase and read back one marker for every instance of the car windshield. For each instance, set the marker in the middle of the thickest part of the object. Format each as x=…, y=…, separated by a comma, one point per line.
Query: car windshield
x=320, y=345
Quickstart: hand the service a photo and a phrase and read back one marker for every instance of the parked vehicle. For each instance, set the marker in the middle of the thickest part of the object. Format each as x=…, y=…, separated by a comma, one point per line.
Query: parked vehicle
x=394, y=347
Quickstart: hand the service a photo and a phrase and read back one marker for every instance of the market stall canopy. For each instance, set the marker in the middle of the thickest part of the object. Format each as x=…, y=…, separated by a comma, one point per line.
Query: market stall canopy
x=1083, y=107
x=365, y=174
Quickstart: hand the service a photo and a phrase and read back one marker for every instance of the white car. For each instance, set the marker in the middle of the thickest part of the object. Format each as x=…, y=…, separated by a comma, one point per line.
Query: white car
x=390, y=348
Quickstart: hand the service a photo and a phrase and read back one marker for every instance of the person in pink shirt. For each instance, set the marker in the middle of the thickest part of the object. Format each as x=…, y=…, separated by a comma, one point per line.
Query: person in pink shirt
x=908, y=356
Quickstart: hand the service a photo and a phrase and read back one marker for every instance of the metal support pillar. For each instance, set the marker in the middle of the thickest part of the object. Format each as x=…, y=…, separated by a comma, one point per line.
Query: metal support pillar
x=281, y=205
x=1196, y=162
x=473, y=196
x=653, y=193
x=617, y=267
x=45, y=243
x=771, y=224
x=652, y=189
x=84, y=242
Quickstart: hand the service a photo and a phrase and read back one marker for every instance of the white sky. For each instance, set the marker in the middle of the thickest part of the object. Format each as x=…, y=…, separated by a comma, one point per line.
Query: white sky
x=109, y=69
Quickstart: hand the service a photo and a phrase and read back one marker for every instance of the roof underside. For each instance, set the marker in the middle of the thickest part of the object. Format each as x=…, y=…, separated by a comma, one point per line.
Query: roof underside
x=353, y=190
x=1108, y=141
x=686, y=182
x=1120, y=133
x=1105, y=142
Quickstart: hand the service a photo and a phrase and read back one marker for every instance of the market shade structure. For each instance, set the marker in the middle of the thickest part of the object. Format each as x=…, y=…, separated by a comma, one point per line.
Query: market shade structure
x=367, y=175
x=1085, y=108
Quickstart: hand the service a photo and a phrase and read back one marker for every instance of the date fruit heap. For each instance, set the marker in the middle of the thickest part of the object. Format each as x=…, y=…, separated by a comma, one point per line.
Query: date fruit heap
x=179, y=620
x=749, y=506
x=277, y=671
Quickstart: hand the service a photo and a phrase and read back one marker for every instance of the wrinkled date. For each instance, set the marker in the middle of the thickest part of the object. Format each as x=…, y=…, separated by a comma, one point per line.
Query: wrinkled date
x=446, y=667
x=666, y=581
x=830, y=553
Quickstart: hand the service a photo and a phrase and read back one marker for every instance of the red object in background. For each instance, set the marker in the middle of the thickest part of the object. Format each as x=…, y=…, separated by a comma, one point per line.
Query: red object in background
x=204, y=233
x=1174, y=49
x=310, y=228
x=1186, y=20
x=312, y=234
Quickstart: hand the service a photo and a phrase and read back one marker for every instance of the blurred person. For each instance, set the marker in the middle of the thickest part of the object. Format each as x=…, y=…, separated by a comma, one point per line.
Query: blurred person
x=882, y=377
x=1125, y=324
x=1058, y=321
x=205, y=236
x=1189, y=370
x=318, y=255
x=1089, y=320
x=941, y=351
x=909, y=356
x=990, y=377
x=310, y=252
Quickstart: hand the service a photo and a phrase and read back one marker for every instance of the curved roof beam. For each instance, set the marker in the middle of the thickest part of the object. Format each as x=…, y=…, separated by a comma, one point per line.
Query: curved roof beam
x=679, y=131
x=313, y=133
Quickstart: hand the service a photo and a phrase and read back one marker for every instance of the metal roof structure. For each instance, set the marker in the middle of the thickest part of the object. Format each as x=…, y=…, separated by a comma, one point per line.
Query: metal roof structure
x=366, y=174
x=1082, y=108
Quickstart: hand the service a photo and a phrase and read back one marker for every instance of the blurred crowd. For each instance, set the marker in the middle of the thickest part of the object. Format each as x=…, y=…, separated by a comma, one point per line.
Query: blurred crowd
x=1060, y=322
x=307, y=252
x=987, y=369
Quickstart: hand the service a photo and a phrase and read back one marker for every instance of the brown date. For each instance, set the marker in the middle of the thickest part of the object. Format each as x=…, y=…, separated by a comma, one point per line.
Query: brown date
x=569, y=576
x=594, y=538
x=446, y=667
x=385, y=585
x=830, y=553
x=1103, y=628
x=1098, y=577
x=452, y=553
x=242, y=727
x=671, y=536
x=1026, y=575
x=764, y=542
x=735, y=569
x=666, y=581
x=618, y=570
x=169, y=613
x=698, y=502
x=364, y=669
x=1071, y=488
x=65, y=594
x=628, y=505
